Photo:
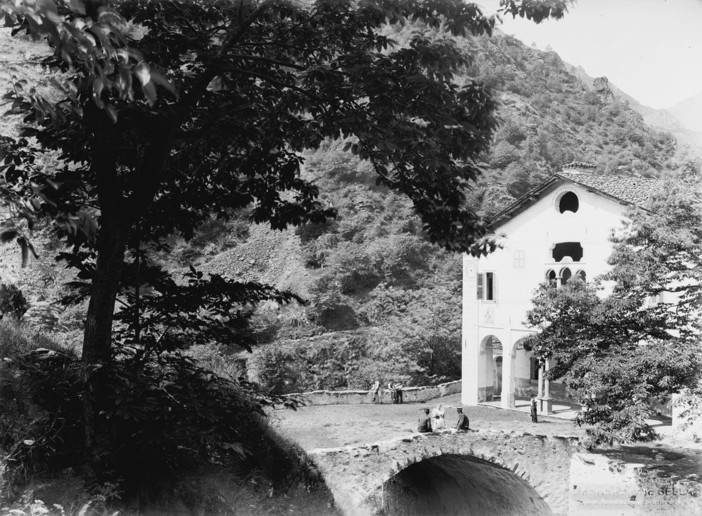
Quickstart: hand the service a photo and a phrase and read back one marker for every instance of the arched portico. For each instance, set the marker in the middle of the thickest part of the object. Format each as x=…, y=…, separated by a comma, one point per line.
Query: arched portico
x=516, y=373
x=490, y=370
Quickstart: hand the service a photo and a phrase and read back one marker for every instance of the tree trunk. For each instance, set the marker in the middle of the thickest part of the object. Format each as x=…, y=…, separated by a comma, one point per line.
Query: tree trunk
x=117, y=216
x=110, y=246
x=97, y=340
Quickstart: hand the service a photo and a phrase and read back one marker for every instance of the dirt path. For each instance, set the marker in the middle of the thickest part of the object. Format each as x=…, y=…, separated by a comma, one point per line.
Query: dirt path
x=344, y=425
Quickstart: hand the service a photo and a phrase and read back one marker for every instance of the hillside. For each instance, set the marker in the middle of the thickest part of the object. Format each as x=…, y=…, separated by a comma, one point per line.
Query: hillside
x=689, y=142
x=383, y=302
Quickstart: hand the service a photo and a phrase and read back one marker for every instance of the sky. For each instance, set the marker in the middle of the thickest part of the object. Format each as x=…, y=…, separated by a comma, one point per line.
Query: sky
x=650, y=49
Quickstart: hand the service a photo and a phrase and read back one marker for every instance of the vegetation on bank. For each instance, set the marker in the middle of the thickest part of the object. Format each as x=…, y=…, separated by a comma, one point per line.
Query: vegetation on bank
x=180, y=436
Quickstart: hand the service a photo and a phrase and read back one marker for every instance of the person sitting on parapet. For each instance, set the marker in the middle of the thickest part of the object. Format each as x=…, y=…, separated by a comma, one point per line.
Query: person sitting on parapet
x=463, y=424
x=437, y=418
x=424, y=425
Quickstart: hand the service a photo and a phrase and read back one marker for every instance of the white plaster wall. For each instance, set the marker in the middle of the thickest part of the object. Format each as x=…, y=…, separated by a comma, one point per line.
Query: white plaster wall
x=522, y=364
x=534, y=232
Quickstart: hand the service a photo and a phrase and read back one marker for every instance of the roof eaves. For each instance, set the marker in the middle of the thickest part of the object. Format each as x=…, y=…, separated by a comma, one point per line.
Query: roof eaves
x=523, y=202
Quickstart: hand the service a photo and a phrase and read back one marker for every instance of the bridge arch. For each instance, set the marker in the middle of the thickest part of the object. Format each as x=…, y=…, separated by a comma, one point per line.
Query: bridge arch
x=451, y=483
x=366, y=479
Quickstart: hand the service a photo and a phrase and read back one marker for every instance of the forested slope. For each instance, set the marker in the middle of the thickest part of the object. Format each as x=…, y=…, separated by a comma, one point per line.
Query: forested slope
x=383, y=303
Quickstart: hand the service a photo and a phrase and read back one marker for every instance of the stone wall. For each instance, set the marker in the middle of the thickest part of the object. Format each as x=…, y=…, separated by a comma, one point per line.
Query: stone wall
x=409, y=395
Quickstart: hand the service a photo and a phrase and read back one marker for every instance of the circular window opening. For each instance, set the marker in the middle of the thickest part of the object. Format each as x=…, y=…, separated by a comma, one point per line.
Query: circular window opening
x=569, y=202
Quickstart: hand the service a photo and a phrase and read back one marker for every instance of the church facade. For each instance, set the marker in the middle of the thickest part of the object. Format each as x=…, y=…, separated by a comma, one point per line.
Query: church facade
x=557, y=231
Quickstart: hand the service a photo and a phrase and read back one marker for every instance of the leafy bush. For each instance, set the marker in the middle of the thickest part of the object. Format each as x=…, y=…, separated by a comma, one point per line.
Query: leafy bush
x=12, y=302
x=415, y=341
x=324, y=362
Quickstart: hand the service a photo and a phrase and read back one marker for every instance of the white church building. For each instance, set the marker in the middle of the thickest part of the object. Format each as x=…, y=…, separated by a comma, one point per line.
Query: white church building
x=559, y=230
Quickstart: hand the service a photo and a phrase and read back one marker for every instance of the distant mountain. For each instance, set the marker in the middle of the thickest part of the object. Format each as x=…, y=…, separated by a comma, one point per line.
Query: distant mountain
x=689, y=112
x=689, y=139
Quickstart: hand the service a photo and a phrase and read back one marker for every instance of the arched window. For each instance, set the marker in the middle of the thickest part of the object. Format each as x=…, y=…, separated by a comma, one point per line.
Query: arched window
x=581, y=275
x=551, y=278
x=568, y=202
x=565, y=275
x=571, y=249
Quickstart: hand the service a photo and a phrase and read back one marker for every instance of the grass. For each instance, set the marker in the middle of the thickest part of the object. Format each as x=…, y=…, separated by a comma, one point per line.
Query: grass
x=16, y=340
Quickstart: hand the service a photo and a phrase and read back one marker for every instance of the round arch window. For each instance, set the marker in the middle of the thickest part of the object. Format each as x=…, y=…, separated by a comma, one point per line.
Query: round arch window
x=565, y=275
x=551, y=278
x=568, y=202
x=581, y=275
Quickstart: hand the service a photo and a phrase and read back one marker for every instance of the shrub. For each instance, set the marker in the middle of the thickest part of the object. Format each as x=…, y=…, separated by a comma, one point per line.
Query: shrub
x=12, y=302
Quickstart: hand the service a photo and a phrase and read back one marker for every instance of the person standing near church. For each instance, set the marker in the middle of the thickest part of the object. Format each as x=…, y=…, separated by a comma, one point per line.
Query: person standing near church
x=375, y=392
x=398, y=392
x=534, y=418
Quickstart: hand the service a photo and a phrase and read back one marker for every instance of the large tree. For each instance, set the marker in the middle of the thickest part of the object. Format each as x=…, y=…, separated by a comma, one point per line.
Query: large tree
x=165, y=113
x=625, y=344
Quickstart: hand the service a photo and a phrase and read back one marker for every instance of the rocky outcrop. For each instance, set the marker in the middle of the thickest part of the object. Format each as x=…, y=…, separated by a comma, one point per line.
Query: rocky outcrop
x=601, y=87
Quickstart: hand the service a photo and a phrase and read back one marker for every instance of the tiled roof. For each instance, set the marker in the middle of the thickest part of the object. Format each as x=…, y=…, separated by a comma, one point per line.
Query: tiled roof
x=633, y=190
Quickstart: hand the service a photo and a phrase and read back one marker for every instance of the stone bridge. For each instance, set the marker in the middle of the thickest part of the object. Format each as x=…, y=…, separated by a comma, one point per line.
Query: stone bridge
x=479, y=472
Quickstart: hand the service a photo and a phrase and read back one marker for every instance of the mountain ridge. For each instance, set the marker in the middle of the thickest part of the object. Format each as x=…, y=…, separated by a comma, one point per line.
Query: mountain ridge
x=689, y=140
x=689, y=112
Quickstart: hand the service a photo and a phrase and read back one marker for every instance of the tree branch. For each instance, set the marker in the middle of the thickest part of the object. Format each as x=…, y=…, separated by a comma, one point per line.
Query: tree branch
x=229, y=41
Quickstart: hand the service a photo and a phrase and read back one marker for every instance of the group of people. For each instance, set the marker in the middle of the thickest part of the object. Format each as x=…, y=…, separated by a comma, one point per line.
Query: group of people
x=394, y=388
x=434, y=420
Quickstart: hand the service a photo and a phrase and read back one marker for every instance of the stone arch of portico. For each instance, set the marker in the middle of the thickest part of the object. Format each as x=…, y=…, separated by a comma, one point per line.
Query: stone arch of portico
x=516, y=361
x=491, y=348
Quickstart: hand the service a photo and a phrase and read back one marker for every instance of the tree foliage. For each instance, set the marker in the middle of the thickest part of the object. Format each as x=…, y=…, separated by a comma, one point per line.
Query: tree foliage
x=622, y=352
